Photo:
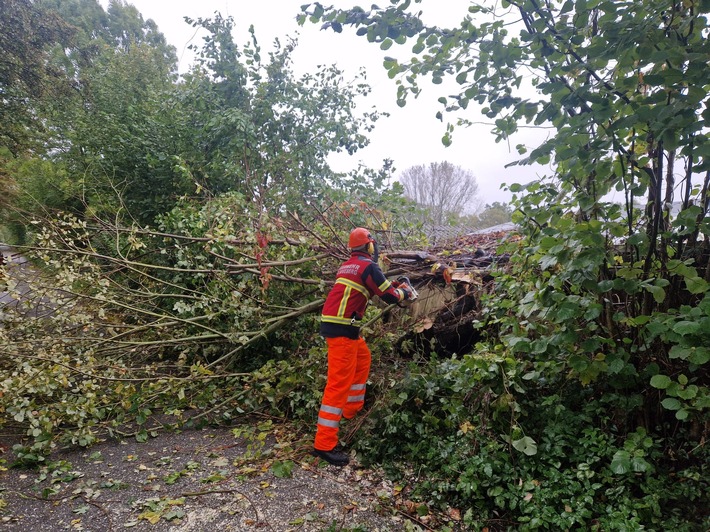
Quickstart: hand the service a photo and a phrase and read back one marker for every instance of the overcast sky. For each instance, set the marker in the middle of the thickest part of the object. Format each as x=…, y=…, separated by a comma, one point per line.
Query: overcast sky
x=411, y=135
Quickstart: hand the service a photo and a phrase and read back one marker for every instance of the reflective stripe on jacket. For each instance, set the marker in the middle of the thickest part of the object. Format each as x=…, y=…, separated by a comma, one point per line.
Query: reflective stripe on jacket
x=358, y=279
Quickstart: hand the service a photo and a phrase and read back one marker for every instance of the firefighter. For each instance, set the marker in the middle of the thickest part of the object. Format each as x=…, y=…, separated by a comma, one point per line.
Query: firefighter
x=357, y=280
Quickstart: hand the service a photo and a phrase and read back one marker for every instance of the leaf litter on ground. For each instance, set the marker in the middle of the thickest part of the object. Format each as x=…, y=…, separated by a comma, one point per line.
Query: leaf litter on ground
x=196, y=480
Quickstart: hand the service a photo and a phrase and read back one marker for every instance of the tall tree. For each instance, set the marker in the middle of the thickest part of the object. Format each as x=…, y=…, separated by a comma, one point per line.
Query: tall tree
x=443, y=189
x=27, y=35
x=112, y=134
x=121, y=26
x=259, y=129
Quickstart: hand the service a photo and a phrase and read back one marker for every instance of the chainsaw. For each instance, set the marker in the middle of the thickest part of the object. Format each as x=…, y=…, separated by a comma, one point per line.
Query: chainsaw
x=404, y=282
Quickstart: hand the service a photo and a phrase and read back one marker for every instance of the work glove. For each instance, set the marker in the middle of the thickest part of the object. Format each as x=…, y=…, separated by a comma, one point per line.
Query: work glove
x=407, y=292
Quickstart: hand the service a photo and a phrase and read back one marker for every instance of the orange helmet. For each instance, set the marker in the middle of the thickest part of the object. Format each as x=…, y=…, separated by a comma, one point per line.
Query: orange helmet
x=359, y=237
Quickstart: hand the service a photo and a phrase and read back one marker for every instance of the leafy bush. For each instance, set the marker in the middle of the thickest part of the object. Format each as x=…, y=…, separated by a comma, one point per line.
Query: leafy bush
x=513, y=453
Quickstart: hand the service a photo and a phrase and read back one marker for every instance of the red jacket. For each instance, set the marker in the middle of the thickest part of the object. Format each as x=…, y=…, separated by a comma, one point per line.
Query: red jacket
x=358, y=279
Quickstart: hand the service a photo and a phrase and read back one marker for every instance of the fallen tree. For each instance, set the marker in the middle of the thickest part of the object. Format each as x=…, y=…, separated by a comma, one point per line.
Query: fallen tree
x=186, y=315
x=219, y=288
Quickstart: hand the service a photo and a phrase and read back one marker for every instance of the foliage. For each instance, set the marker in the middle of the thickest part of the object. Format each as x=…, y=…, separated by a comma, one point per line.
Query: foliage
x=209, y=277
x=26, y=75
x=102, y=123
x=28, y=80
x=510, y=451
x=596, y=279
x=236, y=122
x=585, y=407
x=257, y=129
x=120, y=26
x=492, y=214
x=213, y=311
x=118, y=133
x=601, y=298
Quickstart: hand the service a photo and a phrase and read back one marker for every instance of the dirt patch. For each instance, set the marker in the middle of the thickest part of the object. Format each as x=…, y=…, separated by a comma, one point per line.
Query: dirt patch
x=195, y=480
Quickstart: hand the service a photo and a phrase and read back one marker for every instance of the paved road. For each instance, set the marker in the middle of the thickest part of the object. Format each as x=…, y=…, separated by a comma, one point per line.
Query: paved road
x=8, y=254
x=18, y=268
x=11, y=260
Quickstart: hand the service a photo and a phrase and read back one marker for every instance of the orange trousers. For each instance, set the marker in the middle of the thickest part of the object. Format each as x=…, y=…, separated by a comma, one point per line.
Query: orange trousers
x=344, y=395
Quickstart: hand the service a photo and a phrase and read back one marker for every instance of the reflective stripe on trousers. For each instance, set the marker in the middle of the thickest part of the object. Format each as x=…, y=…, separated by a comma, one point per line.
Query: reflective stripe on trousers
x=344, y=395
x=357, y=394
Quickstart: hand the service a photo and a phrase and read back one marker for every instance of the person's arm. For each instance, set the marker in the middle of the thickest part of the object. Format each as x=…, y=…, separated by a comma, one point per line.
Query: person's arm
x=382, y=287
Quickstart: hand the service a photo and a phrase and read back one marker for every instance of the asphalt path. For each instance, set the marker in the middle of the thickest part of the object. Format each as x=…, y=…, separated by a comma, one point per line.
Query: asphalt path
x=22, y=298
x=11, y=261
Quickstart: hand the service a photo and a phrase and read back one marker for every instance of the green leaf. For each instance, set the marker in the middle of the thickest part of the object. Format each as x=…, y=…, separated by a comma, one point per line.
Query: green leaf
x=639, y=465
x=605, y=286
x=567, y=311
x=660, y=381
x=548, y=261
x=686, y=327
x=678, y=351
x=616, y=365
x=578, y=363
x=621, y=463
x=689, y=216
x=525, y=445
x=548, y=242
x=691, y=392
x=638, y=239
x=174, y=513
x=567, y=7
x=658, y=293
x=696, y=285
x=386, y=44
x=519, y=343
x=671, y=403
x=173, y=477
x=699, y=356
x=282, y=469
